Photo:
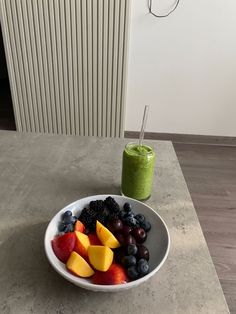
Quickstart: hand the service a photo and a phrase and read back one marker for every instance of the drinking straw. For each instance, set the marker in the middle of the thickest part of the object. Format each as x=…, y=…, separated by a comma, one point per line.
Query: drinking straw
x=143, y=127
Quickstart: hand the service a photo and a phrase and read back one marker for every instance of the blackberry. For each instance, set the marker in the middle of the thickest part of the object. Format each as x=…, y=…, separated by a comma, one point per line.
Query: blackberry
x=86, y=220
x=112, y=205
x=92, y=226
x=97, y=206
x=113, y=216
x=106, y=212
x=91, y=212
x=102, y=218
x=87, y=216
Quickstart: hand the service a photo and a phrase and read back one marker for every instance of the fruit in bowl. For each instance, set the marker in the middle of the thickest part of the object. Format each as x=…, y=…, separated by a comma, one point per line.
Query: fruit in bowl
x=83, y=258
x=112, y=242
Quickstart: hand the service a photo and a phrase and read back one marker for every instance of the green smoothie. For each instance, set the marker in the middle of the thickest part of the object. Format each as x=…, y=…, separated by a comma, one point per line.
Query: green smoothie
x=137, y=171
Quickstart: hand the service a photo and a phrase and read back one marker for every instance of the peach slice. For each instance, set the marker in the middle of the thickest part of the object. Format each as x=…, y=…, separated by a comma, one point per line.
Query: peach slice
x=82, y=243
x=93, y=238
x=79, y=226
x=100, y=257
x=114, y=276
x=78, y=266
x=63, y=246
x=106, y=237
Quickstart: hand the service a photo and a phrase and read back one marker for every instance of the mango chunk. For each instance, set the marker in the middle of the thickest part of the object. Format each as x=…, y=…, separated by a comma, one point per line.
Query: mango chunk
x=106, y=237
x=82, y=243
x=78, y=266
x=100, y=257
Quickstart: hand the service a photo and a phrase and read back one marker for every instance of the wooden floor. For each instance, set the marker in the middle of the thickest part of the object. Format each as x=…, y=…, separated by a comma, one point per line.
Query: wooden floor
x=210, y=173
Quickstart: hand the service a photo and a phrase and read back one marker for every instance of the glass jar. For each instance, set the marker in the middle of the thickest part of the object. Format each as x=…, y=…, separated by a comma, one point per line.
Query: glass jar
x=137, y=171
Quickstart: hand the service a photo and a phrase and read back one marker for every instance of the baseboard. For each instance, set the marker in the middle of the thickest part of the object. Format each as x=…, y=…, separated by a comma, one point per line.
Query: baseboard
x=186, y=138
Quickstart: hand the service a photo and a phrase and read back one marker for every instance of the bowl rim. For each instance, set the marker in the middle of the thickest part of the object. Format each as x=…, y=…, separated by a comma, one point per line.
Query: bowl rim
x=105, y=288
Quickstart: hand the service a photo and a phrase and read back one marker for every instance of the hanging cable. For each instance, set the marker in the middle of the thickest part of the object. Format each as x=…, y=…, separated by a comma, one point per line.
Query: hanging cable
x=165, y=15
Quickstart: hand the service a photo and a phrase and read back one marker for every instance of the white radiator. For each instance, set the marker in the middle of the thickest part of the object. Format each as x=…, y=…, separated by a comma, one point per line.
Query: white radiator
x=67, y=64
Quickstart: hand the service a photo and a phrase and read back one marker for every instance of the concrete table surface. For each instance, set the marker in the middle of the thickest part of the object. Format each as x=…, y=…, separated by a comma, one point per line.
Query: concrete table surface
x=39, y=175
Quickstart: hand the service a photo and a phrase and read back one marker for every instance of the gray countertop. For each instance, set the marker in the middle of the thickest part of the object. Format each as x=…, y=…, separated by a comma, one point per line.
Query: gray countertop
x=39, y=175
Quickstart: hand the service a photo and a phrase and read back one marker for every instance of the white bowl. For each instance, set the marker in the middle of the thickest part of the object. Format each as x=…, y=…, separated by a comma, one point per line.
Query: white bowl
x=158, y=242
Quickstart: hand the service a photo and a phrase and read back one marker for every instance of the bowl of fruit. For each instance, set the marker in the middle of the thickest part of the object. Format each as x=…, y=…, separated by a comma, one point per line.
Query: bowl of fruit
x=107, y=242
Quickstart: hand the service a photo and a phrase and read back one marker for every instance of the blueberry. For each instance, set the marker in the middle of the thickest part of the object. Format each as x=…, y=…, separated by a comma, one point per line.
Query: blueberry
x=143, y=267
x=70, y=220
x=127, y=207
x=146, y=226
x=132, y=273
x=122, y=214
x=67, y=217
x=132, y=249
x=129, y=260
x=64, y=228
x=66, y=214
x=74, y=219
x=130, y=221
x=61, y=227
x=130, y=214
x=140, y=218
x=142, y=261
x=69, y=228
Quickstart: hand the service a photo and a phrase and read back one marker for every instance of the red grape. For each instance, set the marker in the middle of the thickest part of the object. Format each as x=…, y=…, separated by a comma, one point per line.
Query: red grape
x=129, y=239
x=115, y=225
x=126, y=230
x=120, y=237
x=143, y=252
x=139, y=234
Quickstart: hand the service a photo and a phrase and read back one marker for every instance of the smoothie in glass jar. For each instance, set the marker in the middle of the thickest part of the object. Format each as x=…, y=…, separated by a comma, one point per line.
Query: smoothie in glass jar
x=137, y=171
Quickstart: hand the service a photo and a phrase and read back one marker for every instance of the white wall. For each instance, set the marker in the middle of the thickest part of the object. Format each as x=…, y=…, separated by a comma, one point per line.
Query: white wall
x=184, y=66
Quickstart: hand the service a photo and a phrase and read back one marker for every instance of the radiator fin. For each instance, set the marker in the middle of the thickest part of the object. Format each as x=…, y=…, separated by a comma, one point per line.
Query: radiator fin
x=67, y=64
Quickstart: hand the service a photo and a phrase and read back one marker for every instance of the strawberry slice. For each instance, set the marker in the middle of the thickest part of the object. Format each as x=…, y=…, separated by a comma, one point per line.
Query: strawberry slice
x=79, y=226
x=63, y=246
x=115, y=275
x=94, y=239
